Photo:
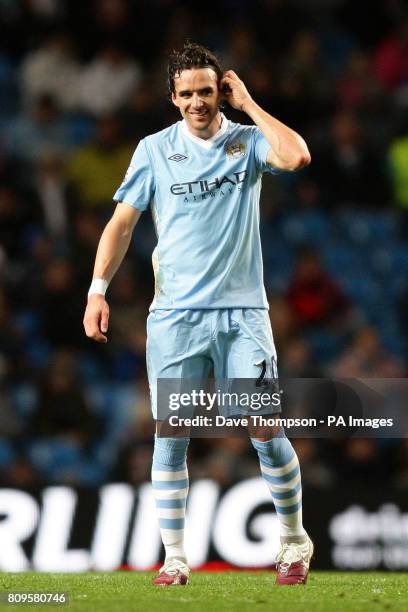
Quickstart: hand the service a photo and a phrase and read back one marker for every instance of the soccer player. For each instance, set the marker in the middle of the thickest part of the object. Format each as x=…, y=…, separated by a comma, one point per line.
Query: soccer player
x=202, y=177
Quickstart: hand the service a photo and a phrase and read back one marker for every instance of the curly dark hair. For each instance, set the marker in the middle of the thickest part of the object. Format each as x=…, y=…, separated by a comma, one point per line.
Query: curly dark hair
x=191, y=55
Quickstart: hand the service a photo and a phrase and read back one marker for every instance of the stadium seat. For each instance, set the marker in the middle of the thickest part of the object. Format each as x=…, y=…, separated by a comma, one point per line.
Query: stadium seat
x=24, y=399
x=59, y=460
x=390, y=260
x=325, y=345
x=7, y=453
x=305, y=227
x=113, y=403
x=341, y=258
x=367, y=227
x=50, y=455
x=363, y=290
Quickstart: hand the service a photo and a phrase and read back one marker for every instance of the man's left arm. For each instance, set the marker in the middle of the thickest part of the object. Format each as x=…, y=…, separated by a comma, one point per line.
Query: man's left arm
x=288, y=149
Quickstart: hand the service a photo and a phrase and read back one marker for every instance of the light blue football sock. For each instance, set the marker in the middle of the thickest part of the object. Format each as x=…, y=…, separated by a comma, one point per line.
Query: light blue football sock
x=281, y=471
x=170, y=488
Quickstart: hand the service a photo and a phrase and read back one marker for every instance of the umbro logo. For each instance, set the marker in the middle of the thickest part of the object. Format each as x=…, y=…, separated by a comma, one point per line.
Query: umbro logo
x=177, y=157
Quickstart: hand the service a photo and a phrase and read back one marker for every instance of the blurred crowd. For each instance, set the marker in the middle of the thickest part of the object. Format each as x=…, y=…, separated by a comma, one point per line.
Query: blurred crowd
x=80, y=84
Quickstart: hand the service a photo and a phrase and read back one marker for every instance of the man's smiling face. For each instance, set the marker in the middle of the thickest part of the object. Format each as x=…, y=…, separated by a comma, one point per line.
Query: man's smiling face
x=198, y=98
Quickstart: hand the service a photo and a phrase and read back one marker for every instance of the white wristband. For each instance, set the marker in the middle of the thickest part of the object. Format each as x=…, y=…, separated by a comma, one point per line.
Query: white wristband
x=98, y=285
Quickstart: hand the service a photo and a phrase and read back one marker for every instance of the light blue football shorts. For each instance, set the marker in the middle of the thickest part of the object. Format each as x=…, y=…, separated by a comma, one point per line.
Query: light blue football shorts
x=230, y=343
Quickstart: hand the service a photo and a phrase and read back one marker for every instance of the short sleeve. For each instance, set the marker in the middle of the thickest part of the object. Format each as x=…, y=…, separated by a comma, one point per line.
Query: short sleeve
x=138, y=185
x=261, y=150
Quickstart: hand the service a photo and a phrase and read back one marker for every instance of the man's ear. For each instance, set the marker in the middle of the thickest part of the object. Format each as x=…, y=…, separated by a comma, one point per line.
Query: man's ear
x=174, y=99
x=223, y=89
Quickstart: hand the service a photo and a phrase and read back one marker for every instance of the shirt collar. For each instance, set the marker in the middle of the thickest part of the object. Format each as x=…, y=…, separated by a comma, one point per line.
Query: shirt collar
x=209, y=142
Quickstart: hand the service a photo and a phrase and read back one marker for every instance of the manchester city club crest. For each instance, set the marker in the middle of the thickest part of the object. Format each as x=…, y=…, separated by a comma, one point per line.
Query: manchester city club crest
x=235, y=149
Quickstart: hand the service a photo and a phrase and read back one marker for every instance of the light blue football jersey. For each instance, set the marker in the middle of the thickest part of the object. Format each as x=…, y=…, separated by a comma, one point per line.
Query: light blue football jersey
x=205, y=202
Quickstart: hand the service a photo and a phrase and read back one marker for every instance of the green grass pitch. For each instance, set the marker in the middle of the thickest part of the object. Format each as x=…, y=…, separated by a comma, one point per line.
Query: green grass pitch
x=251, y=591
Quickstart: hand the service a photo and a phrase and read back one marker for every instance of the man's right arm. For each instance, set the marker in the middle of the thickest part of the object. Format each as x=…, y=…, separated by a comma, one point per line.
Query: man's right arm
x=112, y=248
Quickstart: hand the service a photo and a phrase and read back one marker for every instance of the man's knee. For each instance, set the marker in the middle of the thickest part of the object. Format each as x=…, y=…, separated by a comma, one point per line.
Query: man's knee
x=165, y=430
x=263, y=433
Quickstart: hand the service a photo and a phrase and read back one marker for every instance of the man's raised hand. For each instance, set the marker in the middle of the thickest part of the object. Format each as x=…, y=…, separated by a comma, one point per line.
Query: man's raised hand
x=234, y=90
x=96, y=318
